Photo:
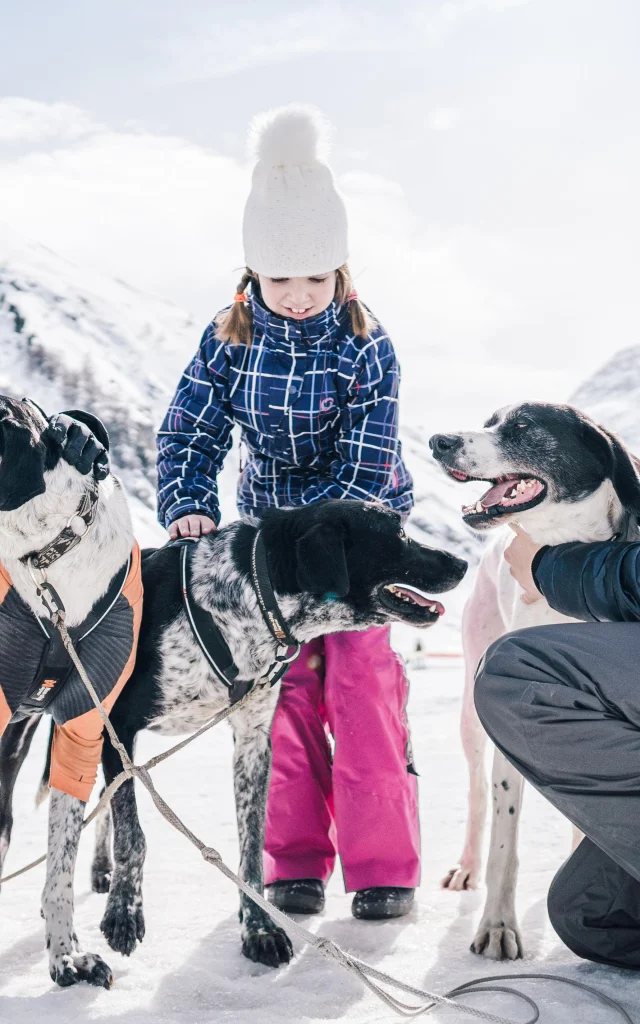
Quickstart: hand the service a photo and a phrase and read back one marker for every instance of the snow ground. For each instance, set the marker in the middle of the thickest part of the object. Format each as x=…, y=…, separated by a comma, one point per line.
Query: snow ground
x=190, y=970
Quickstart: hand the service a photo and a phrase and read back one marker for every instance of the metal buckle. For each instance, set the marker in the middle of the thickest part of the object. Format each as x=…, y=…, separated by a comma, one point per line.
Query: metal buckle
x=72, y=523
x=282, y=656
x=32, y=572
x=49, y=597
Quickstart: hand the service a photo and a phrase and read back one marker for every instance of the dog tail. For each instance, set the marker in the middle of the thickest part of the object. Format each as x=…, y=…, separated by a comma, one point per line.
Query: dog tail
x=43, y=788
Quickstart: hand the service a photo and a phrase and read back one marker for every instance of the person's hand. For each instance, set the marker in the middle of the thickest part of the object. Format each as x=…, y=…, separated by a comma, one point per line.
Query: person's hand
x=191, y=526
x=79, y=446
x=519, y=556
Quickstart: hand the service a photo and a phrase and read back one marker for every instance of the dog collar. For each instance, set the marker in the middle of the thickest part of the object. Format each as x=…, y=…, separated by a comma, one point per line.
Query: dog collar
x=76, y=528
x=266, y=596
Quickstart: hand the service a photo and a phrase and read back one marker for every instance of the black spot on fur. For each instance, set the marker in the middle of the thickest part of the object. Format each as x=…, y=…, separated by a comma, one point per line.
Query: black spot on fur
x=505, y=784
x=512, y=810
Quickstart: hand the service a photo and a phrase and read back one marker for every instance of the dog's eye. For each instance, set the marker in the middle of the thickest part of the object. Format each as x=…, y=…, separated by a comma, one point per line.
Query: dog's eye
x=402, y=535
x=521, y=425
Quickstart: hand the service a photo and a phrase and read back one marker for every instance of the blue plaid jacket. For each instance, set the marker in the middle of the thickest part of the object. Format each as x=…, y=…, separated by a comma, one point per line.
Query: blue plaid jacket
x=318, y=409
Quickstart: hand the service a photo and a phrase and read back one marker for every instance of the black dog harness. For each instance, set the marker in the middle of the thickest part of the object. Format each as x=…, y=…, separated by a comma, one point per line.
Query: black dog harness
x=43, y=677
x=211, y=641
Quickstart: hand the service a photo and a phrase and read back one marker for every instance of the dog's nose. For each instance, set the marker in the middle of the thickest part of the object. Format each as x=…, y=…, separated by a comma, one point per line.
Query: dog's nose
x=461, y=566
x=444, y=444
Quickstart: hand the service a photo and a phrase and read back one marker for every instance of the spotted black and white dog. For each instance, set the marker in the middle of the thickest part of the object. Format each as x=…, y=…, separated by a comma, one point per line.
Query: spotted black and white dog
x=334, y=566
x=39, y=495
x=562, y=478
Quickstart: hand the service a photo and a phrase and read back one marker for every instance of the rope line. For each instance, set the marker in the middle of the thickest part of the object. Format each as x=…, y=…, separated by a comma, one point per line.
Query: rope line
x=372, y=978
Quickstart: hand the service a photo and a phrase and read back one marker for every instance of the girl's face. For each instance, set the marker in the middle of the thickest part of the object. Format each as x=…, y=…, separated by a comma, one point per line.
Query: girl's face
x=298, y=297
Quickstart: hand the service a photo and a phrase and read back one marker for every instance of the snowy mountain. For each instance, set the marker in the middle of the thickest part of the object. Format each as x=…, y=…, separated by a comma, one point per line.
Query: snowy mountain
x=612, y=396
x=72, y=338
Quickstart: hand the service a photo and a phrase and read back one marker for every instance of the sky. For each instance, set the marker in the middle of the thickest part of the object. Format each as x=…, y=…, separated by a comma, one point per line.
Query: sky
x=487, y=149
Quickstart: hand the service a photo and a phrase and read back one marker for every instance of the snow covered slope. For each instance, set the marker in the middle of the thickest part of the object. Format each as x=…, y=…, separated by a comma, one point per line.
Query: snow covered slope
x=612, y=396
x=70, y=338
x=189, y=969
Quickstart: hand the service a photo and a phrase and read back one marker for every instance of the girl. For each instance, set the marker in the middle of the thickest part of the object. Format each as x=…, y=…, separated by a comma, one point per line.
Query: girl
x=299, y=362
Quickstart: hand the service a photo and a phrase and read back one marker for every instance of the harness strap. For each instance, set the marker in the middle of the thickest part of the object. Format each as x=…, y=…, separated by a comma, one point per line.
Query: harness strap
x=76, y=528
x=211, y=641
x=55, y=666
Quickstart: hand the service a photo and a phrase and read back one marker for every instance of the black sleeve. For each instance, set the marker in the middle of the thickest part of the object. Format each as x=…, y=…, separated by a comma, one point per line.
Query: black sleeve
x=593, y=582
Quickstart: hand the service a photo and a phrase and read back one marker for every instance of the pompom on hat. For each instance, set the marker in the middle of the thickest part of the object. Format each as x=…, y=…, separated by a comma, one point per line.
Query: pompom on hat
x=295, y=222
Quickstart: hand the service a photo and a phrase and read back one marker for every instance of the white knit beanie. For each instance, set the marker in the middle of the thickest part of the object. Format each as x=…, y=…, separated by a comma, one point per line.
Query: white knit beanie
x=295, y=222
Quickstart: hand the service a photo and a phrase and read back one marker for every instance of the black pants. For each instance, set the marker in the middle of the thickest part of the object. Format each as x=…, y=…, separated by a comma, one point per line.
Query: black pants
x=563, y=704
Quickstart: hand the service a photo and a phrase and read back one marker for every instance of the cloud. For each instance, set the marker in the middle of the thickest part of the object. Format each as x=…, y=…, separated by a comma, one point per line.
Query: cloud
x=220, y=48
x=437, y=21
x=226, y=48
x=24, y=121
x=441, y=119
x=165, y=214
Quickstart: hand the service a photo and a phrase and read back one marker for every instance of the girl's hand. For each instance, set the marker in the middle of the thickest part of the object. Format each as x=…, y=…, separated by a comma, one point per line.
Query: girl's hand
x=519, y=556
x=191, y=526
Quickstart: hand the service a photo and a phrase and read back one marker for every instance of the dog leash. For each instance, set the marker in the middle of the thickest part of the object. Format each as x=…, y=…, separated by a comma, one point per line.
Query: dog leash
x=373, y=979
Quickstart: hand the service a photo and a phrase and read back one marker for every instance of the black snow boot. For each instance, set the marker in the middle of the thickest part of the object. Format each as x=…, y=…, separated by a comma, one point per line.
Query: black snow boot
x=382, y=901
x=297, y=895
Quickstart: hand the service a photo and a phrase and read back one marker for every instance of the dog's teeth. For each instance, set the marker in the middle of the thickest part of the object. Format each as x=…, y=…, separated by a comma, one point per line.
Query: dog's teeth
x=479, y=507
x=432, y=607
x=514, y=492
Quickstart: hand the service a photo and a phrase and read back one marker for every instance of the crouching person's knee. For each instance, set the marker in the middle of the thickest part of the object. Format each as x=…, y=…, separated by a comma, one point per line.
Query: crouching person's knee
x=499, y=688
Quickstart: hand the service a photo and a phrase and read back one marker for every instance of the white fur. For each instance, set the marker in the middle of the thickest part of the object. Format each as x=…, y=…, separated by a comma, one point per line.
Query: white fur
x=82, y=575
x=495, y=608
x=288, y=136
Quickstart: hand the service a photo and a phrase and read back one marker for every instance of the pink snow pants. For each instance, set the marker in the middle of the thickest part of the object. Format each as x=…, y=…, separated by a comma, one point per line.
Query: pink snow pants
x=362, y=803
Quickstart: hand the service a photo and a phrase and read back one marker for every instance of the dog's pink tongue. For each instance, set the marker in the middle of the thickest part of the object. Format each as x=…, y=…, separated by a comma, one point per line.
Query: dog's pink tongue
x=503, y=494
x=497, y=493
x=421, y=600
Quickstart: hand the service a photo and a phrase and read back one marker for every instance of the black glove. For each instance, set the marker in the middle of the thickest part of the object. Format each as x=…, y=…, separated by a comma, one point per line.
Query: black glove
x=80, y=446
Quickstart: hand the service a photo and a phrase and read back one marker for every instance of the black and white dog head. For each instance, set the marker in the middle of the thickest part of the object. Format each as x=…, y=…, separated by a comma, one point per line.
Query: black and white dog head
x=357, y=553
x=24, y=457
x=27, y=452
x=537, y=456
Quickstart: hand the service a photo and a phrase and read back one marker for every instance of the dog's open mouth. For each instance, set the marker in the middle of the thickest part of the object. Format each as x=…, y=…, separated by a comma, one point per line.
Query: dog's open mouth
x=507, y=494
x=410, y=604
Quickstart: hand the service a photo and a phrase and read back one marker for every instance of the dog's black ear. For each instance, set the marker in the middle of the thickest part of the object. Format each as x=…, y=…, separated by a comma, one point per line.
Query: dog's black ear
x=622, y=468
x=95, y=425
x=22, y=464
x=321, y=564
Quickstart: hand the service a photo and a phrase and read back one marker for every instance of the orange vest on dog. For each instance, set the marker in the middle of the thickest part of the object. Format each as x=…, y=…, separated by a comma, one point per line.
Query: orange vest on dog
x=108, y=651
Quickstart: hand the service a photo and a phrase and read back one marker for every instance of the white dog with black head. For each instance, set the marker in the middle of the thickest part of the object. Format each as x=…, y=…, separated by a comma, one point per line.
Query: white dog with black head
x=561, y=478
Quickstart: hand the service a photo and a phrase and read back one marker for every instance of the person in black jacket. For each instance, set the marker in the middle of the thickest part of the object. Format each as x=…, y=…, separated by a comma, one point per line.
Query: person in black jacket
x=563, y=704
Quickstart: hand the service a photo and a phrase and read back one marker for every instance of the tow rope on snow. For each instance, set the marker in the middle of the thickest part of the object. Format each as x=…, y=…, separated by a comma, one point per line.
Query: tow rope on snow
x=372, y=978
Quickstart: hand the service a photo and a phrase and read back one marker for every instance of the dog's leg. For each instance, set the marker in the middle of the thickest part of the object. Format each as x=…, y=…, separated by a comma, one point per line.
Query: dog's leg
x=102, y=863
x=262, y=940
x=123, y=922
x=466, y=874
x=14, y=747
x=67, y=964
x=481, y=625
x=498, y=936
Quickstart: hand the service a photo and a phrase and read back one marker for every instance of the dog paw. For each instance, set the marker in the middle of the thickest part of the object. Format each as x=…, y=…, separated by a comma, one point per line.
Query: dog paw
x=69, y=969
x=498, y=940
x=461, y=878
x=268, y=946
x=123, y=923
x=100, y=879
